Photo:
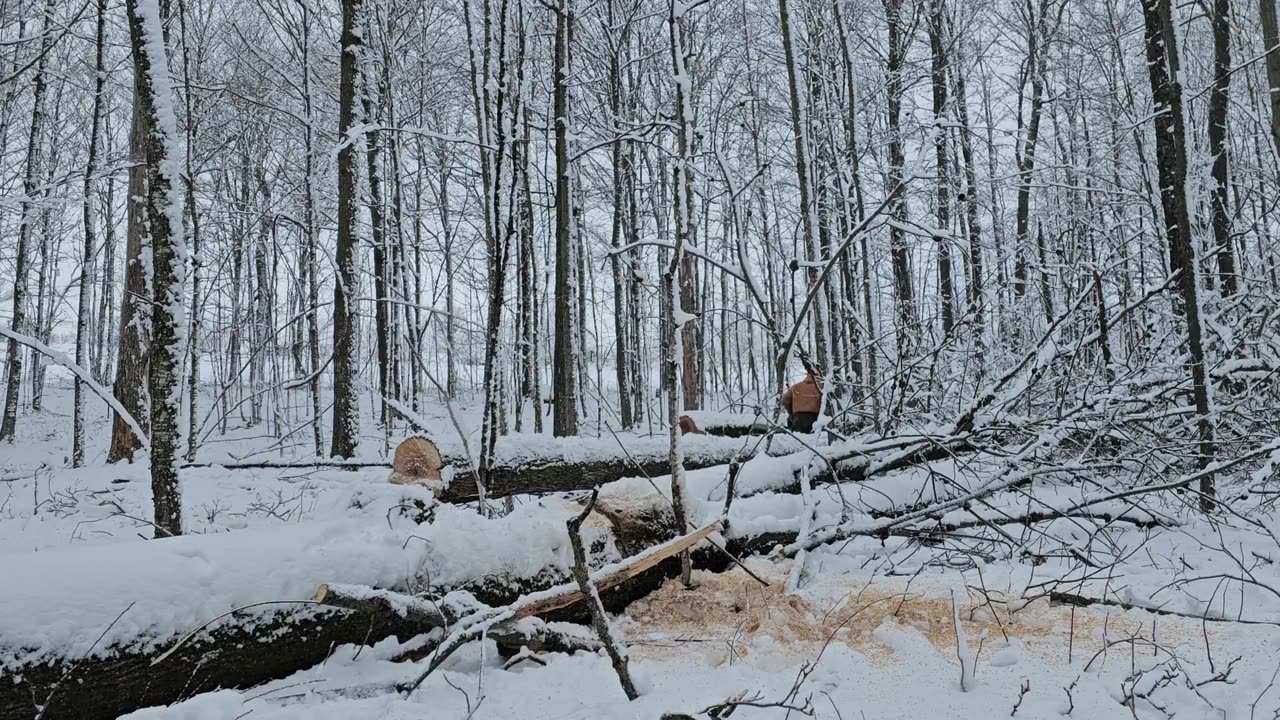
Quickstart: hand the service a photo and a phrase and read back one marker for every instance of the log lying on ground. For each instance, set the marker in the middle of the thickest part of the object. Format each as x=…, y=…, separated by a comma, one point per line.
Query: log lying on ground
x=393, y=607
x=272, y=642
x=736, y=430
x=567, y=473
x=259, y=645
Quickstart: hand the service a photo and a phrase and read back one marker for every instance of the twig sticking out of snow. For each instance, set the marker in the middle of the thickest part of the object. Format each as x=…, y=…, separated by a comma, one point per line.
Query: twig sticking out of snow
x=1022, y=693
x=617, y=655
x=967, y=660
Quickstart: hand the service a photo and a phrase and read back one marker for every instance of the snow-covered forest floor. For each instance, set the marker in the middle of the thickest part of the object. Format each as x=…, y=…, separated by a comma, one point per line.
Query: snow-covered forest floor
x=863, y=627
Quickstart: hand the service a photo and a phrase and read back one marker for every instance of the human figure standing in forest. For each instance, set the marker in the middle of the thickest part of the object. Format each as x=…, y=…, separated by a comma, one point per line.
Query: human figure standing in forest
x=802, y=401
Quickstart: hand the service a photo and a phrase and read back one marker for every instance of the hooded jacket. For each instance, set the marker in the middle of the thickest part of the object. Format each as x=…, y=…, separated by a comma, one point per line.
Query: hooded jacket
x=803, y=397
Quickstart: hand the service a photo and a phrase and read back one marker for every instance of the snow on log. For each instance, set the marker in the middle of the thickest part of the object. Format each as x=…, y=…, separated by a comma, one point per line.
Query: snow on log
x=65, y=645
x=67, y=598
x=391, y=607
x=542, y=465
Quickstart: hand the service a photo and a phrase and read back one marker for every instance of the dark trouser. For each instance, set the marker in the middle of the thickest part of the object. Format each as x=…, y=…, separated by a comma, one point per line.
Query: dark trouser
x=801, y=422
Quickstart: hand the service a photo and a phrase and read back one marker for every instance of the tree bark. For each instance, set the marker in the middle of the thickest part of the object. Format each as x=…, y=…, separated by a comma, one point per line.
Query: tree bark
x=158, y=128
x=1219, y=104
x=1271, y=51
x=565, y=390
x=9, y=423
x=942, y=237
x=1171, y=165
x=1026, y=153
x=346, y=421
x=87, y=264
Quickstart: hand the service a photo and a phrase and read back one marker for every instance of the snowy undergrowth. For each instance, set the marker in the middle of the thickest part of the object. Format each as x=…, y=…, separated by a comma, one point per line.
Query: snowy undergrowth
x=850, y=645
x=281, y=531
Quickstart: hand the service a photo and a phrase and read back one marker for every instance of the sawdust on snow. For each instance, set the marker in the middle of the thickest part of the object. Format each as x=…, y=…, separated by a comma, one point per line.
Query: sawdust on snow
x=734, y=615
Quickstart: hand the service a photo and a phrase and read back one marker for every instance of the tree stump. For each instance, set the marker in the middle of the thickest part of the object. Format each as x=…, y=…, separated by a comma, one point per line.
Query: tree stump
x=417, y=462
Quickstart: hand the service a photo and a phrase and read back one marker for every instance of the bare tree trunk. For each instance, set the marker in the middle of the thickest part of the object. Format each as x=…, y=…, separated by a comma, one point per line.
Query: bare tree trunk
x=377, y=220
x=501, y=200
x=346, y=421
x=970, y=196
x=1026, y=152
x=163, y=205
x=903, y=294
x=9, y=424
x=808, y=223
x=1271, y=51
x=1219, y=103
x=310, y=283
x=564, y=400
x=1171, y=164
x=621, y=168
x=193, y=329
x=533, y=365
x=870, y=370
x=104, y=338
x=942, y=238
x=86, y=256
x=673, y=318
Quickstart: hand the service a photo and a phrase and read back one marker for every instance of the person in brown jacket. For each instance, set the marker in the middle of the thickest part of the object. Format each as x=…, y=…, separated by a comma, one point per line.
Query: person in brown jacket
x=802, y=402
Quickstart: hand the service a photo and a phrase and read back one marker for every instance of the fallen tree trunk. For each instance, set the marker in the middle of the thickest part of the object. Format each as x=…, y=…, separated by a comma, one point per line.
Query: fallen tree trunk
x=427, y=615
x=538, y=477
x=261, y=645
x=264, y=643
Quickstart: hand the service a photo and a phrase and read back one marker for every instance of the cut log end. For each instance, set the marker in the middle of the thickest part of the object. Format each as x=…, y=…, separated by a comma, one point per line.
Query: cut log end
x=417, y=461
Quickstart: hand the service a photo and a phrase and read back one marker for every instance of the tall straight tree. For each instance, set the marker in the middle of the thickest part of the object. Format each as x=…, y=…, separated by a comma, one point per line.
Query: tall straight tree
x=163, y=205
x=941, y=238
x=346, y=421
x=87, y=264
x=377, y=223
x=1034, y=72
x=904, y=296
x=564, y=419
x=1219, y=104
x=134, y=335
x=970, y=196
x=1171, y=167
x=620, y=158
x=675, y=317
x=804, y=174
x=1271, y=51
x=34, y=172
